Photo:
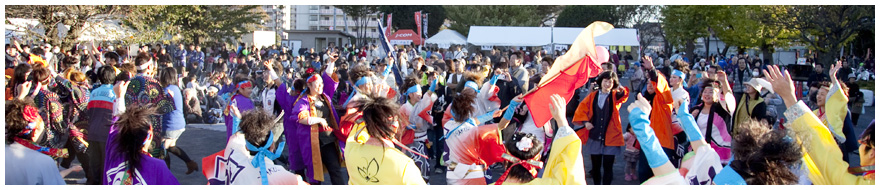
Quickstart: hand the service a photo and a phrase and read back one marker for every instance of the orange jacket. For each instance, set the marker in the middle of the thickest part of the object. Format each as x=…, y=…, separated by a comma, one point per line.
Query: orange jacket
x=614, y=131
x=661, y=113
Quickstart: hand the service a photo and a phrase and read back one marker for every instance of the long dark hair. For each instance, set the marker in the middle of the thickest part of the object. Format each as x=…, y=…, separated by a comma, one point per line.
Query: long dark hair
x=377, y=110
x=168, y=76
x=763, y=156
x=19, y=75
x=134, y=127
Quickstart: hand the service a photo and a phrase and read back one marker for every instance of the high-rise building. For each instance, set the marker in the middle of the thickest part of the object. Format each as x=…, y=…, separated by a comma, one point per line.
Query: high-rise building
x=328, y=17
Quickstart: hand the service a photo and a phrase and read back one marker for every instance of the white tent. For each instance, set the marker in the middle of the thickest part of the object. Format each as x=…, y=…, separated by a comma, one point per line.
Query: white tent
x=508, y=36
x=540, y=36
x=446, y=38
x=615, y=37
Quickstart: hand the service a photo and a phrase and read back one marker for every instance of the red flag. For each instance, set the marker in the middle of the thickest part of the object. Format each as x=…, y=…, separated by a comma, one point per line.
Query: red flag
x=388, y=28
x=418, y=17
x=568, y=72
x=214, y=168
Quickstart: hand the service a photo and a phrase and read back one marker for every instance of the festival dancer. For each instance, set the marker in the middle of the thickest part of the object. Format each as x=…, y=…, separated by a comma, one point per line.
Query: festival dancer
x=415, y=115
x=316, y=121
x=28, y=163
x=174, y=123
x=713, y=114
x=663, y=170
x=818, y=143
x=370, y=154
x=564, y=166
x=127, y=161
x=603, y=134
x=471, y=147
x=144, y=90
x=239, y=102
x=250, y=153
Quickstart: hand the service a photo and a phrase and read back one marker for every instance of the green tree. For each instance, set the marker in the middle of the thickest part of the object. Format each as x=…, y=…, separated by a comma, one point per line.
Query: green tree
x=583, y=15
x=199, y=23
x=753, y=26
x=827, y=28
x=73, y=16
x=463, y=17
x=683, y=24
x=361, y=15
x=404, y=18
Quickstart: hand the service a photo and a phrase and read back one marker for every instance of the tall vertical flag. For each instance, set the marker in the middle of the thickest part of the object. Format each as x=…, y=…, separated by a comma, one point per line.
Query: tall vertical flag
x=388, y=30
x=425, y=27
x=569, y=72
x=383, y=34
x=418, y=19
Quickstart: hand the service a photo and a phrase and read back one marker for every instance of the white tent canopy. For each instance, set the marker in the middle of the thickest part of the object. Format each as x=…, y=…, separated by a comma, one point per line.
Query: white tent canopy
x=615, y=37
x=508, y=36
x=446, y=38
x=540, y=36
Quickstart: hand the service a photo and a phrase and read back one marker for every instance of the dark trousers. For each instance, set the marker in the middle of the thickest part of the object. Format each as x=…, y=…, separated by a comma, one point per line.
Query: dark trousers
x=606, y=162
x=96, y=162
x=644, y=170
x=177, y=152
x=82, y=157
x=330, y=157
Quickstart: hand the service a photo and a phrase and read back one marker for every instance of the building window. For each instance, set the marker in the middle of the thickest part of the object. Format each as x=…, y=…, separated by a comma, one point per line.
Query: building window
x=313, y=28
x=326, y=18
x=373, y=30
x=326, y=7
x=313, y=17
x=313, y=7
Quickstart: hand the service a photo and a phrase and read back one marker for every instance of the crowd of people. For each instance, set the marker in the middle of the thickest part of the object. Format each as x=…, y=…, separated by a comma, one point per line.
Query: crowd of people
x=400, y=116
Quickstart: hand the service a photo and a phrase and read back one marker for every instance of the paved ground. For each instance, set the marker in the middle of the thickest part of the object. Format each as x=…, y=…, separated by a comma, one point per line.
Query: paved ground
x=201, y=140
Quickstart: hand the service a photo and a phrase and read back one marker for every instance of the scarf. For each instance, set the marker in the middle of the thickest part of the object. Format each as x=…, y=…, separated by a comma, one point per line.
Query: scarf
x=258, y=160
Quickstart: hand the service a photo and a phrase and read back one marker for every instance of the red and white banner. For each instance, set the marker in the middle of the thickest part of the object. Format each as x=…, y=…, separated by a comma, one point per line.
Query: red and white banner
x=569, y=72
x=418, y=17
x=388, y=27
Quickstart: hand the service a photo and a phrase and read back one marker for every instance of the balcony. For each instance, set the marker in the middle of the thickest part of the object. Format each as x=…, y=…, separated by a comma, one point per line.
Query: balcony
x=330, y=11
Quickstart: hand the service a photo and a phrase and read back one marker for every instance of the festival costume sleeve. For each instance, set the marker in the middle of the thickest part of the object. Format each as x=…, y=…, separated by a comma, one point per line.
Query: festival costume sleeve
x=661, y=114
x=645, y=134
x=584, y=113
x=565, y=166
x=330, y=84
x=835, y=112
x=821, y=153
x=412, y=175
x=487, y=100
x=688, y=123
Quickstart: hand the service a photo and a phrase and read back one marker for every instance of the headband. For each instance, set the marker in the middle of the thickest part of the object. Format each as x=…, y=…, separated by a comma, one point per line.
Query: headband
x=530, y=165
x=312, y=79
x=145, y=65
x=32, y=116
x=244, y=84
x=472, y=85
x=363, y=80
x=413, y=89
x=681, y=75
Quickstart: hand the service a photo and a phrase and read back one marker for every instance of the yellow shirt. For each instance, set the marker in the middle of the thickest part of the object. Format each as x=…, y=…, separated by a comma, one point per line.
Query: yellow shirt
x=376, y=165
x=565, y=165
x=821, y=154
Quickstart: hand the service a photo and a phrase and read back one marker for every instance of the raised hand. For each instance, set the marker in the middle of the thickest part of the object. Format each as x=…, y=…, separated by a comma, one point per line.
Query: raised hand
x=21, y=90
x=782, y=84
x=557, y=108
x=640, y=103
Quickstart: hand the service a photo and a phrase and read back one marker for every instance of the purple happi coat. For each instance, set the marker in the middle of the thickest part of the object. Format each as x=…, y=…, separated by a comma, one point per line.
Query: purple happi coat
x=152, y=171
x=302, y=134
x=244, y=104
